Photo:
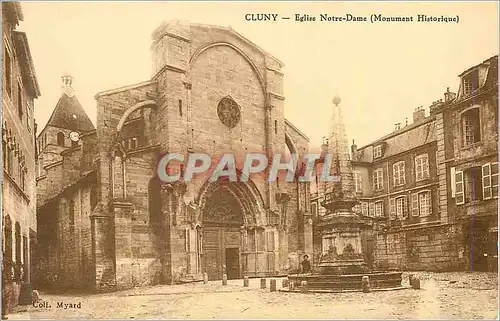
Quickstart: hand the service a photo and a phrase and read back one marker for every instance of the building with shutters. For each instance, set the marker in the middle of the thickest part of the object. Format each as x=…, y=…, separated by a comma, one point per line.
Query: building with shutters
x=19, y=89
x=431, y=186
x=107, y=222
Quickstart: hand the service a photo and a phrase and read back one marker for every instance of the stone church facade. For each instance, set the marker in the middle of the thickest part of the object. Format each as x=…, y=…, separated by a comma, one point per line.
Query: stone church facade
x=105, y=221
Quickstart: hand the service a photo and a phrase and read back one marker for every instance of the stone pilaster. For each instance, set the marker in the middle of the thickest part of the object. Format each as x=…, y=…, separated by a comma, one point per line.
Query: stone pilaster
x=441, y=169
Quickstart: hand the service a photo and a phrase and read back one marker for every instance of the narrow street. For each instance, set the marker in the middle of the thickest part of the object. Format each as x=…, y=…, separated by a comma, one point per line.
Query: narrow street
x=442, y=296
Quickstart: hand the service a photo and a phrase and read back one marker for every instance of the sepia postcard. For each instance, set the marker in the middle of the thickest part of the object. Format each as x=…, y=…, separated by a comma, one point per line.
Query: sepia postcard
x=249, y=160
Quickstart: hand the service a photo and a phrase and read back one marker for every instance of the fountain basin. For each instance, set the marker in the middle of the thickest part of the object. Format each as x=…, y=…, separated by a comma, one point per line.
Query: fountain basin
x=378, y=280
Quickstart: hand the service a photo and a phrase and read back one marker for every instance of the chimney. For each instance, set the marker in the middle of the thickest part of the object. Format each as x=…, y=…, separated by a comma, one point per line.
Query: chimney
x=354, y=151
x=418, y=114
x=448, y=95
x=397, y=126
x=67, y=82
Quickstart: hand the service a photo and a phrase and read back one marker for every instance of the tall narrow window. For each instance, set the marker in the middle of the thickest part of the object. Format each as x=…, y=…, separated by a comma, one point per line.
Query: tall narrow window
x=377, y=151
x=276, y=127
x=398, y=207
x=18, y=243
x=8, y=71
x=180, y=107
x=471, y=130
x=379, y=208
x=358, y=182
x=425, y=204
x=364, y=208
x=490, y=180
x=371, y=209
x=60, y=139
x=378, y=179
x=398, y=172
x=20, y=109
x=422, y=167
x=71, y=217
x=459, y=188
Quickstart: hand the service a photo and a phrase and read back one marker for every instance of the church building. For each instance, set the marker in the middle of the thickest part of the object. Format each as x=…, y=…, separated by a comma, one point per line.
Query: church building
x=105, y=220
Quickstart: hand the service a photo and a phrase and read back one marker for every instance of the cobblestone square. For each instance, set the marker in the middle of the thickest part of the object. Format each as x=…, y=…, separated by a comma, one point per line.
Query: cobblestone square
x=442, y=296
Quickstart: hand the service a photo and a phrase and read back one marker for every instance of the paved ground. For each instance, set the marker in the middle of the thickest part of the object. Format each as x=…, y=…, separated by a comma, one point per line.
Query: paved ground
x=442, y=296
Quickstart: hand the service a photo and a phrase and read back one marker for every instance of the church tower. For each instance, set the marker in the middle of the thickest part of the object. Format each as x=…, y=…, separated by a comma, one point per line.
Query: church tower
x=67, y=122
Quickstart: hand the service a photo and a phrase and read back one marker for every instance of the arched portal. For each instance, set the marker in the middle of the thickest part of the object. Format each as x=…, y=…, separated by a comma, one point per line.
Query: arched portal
x=223, y=218
x=231, y=211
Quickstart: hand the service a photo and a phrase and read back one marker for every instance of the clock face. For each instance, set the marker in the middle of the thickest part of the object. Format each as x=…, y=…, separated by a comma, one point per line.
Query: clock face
x=74, y=136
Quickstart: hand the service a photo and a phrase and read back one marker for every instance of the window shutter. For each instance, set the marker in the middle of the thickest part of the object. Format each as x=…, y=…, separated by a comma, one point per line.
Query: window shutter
x=404, y=206
x=414, y=204
x=459, y=188
x=392, y=208
x=452, y=181
x=486, y=170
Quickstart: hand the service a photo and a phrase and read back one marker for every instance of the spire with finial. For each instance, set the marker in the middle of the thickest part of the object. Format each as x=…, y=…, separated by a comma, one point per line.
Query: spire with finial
x=67, y=85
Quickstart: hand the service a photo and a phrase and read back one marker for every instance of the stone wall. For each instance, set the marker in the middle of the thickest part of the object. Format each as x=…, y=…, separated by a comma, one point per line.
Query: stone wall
x=431, y=249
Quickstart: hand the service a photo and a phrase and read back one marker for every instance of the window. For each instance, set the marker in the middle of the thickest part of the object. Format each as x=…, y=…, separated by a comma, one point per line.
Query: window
x=180, y=107
x=421, y=204
x=20, y=109
x=276, y=127
x=377, y=151
x=425, y=204
x=422, y=167
x=378, y=179
x=314, y=208
x=490, y=180
x=471, y=130
x=8, y=71
x=364, y=208
x=357, y=209
x=470, y=82
x=459, y=188
x=60, y=139
x=398, y=172
x=358, y=182
x=379, y=208
x=74, y=144
x=22, y=177
x=398, y=207
x=371, y=209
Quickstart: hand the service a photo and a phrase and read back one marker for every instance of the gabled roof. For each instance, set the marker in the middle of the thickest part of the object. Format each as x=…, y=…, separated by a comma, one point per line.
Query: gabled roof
x=70, y=114
x=407, y=138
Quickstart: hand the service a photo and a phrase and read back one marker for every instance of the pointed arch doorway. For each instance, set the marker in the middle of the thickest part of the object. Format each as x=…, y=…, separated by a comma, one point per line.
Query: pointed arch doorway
x=229, y=211
x=223, y=219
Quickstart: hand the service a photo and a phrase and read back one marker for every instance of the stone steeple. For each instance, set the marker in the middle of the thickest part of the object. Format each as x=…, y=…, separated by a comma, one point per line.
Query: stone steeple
x=69, y=113
x=339, y=147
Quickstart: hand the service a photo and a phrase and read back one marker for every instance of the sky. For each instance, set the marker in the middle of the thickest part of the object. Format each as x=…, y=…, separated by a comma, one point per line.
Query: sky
x=381, y=71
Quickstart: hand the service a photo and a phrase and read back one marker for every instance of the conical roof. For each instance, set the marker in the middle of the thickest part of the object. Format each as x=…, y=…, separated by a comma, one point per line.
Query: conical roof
x=70, y=114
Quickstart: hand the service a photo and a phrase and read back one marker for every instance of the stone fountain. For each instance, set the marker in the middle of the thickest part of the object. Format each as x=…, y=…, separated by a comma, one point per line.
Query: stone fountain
x=342, y=265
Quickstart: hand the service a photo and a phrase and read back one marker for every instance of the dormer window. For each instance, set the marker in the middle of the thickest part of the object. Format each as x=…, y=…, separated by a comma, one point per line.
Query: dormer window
x=377, y=151
x=470, y=82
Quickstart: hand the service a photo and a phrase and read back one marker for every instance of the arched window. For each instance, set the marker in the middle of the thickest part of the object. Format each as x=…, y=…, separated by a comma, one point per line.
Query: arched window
x=60, y=138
